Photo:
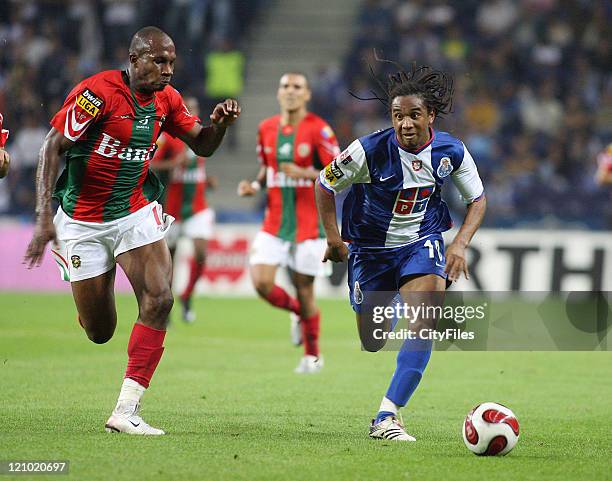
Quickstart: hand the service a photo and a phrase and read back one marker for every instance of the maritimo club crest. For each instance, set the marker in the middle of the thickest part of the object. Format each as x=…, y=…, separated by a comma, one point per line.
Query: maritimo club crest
x=76, y=261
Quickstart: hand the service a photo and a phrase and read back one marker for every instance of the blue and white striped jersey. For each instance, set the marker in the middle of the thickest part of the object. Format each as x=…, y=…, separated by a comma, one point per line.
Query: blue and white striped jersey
x=395, y=197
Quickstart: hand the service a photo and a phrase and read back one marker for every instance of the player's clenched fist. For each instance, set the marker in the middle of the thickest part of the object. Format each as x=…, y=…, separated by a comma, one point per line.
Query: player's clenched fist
x=246, y=188
x=336, y=252
x=225, y=113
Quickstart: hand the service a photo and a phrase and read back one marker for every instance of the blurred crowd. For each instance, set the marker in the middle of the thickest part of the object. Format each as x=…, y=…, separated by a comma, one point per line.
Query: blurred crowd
x=533, y=91
x=533, y=95
x=48, y=46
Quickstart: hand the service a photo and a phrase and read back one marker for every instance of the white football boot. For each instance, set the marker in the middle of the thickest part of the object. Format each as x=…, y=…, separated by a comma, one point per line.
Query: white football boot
x=390, y=428
x=125, y=419
x=296, y=329
x=309, y=365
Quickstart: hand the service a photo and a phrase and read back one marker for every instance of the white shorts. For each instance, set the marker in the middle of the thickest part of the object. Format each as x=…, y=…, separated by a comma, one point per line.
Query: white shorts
x=198, y=226
x=87, y=249
x=304, y=258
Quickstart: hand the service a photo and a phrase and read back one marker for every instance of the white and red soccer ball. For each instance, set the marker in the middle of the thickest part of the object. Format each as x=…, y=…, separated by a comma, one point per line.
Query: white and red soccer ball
x=490, y=429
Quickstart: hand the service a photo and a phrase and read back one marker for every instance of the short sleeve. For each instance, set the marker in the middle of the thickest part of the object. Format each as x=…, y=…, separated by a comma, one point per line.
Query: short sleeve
x=180, y=120
x=467, y=180
x=81, y=108
x=326, y=145
x=350, y=167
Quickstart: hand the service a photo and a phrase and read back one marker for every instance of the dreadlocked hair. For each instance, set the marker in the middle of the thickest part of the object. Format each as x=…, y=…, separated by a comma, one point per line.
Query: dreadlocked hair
x=433, y=86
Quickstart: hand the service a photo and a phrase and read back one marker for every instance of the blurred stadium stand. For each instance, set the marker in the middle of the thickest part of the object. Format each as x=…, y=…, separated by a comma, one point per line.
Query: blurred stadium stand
x=533, y=97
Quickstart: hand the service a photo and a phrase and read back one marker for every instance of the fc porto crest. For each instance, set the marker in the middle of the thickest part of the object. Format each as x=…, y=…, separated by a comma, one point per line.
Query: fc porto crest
x=445, y=167
x=357, y=294
x=76, y=261
x=417, y=165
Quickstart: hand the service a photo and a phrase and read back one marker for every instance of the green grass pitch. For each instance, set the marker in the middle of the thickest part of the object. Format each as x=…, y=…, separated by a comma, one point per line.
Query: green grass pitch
x=233, y=409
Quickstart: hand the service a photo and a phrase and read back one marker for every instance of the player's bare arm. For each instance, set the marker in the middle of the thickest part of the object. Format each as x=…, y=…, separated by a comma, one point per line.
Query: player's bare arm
x=455, y=252
x=212, y=182
x=247, y=188
x=326, y=204
x=205, y=140
x=53, y=147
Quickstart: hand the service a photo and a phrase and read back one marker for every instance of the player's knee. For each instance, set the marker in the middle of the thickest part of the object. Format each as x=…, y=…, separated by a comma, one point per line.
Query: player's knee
x=156, y=307
x=99, y=329
x=372, y=338
x=305, y=294
x=263, y=287
x=371, y=341
x=371, y=344
x=100, y=337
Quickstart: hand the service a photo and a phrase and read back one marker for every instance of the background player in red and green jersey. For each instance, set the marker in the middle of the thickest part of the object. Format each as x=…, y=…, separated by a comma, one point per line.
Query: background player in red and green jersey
x=185, y=200
x=292, y=147
x=108, y=210
x=5, y=159
x=604, y=166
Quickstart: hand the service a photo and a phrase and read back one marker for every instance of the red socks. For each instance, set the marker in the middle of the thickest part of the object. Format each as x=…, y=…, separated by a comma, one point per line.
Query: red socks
x=195, y=271
x=144, y=352
x=310, y=334
x=278, y=297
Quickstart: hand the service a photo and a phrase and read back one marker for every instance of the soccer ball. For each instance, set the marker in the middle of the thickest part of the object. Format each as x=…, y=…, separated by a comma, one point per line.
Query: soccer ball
x=490, y=429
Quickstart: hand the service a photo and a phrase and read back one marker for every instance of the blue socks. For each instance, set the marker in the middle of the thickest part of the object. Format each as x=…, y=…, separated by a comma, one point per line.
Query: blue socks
x=382, y=415
x=411, y=362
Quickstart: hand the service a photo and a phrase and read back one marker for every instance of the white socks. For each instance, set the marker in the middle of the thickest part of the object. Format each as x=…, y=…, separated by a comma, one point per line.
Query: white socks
x=388, y=406
x=130, y=394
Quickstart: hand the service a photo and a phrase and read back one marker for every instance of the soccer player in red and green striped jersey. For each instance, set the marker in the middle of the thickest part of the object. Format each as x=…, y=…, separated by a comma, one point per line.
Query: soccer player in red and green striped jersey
x=292, y=147
x=108, y=210
x=5, y=159
x=186, y=202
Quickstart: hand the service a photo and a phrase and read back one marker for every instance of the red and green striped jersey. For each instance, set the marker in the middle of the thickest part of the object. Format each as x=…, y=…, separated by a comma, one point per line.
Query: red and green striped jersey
x=186, y=190
x=291, y=213
x=114, y=130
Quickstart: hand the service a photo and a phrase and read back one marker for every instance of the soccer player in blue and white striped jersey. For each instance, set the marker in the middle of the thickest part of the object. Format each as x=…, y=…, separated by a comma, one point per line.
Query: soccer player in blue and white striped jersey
x=393, y=218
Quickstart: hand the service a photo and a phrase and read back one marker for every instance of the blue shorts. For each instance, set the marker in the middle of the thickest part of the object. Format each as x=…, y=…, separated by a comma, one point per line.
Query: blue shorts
x=381, y=270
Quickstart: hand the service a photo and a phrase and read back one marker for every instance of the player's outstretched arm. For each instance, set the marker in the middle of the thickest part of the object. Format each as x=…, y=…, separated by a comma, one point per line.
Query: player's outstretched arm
x=53, y=147
x=326, y=204
x=455, y=253
x=205, y=140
